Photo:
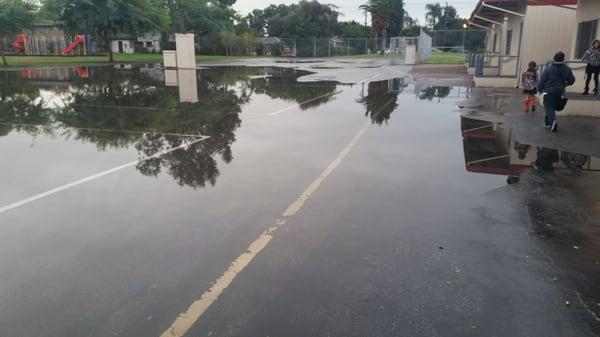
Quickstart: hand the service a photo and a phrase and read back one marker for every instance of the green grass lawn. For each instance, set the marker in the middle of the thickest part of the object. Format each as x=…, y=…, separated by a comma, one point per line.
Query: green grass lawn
x=49, y=61
x=446, y=58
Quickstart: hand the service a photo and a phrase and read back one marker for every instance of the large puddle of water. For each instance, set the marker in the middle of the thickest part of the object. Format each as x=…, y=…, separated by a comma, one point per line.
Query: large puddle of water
x=177, y=213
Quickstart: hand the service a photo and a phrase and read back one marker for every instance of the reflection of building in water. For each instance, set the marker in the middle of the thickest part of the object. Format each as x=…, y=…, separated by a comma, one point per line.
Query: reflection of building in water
x=394, y=86
x=186, y=80
x=154, y=72
x=487, y=149
x=492, y=149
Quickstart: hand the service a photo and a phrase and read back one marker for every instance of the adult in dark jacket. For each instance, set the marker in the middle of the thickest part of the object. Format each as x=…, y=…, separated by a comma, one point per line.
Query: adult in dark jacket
x=553, y=83
x=592, y=58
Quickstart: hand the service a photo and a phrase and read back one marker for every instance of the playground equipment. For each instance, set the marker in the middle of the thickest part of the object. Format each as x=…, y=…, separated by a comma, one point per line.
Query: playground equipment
x=83, y=72
x=19, y=43
x=52, y=41
x=80, y=39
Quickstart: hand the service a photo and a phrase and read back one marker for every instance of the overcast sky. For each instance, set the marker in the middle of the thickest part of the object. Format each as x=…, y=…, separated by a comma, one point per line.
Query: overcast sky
x=415, y=8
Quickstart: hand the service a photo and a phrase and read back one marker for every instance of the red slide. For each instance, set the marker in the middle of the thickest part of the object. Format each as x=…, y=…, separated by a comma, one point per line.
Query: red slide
x=79, y=40
x=19, y=43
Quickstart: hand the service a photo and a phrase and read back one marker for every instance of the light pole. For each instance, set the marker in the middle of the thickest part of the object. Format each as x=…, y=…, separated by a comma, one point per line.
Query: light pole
x=465, y=27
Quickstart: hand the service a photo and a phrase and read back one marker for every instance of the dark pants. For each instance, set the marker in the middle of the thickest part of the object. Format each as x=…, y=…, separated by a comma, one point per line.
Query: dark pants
x=589, y=71
x=550, y=103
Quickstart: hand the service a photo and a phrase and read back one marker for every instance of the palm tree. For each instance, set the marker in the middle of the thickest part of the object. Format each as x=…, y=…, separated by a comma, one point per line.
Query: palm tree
x=381, y=11
x=433, y=14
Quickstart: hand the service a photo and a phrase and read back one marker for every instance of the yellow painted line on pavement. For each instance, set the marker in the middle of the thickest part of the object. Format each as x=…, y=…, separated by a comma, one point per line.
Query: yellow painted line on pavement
x=186, y=319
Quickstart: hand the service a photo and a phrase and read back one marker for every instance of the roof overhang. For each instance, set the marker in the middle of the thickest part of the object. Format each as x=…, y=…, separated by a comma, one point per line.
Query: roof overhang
x=488, y=11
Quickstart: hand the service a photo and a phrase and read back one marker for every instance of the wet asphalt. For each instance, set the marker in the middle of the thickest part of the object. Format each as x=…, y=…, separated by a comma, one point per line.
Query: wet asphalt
x=406, y=237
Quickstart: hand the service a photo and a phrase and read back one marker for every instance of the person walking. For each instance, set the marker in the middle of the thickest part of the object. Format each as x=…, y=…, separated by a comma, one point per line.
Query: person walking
x=592, y=58
x=529, y=82
x=553, y=83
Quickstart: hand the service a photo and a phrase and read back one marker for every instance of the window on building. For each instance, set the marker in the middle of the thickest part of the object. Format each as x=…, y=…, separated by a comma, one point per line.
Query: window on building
x=509, y=35
x=586, y=33
x=149, y=44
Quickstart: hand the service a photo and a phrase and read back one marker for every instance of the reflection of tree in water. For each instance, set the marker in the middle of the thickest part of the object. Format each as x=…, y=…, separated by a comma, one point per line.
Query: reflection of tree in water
x=215, y=115
x=282, y=84
x=20, y=106
x=429, y=93
x=141, y=112
x=382, y=99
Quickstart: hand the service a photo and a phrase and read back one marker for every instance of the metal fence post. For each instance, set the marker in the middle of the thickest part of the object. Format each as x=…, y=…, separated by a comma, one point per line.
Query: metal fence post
x=329, y=47
x=348, y=47
x=314, y=47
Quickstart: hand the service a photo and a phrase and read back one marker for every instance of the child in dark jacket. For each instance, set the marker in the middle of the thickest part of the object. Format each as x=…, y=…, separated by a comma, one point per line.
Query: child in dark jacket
x=529, y=82
x=553, y=83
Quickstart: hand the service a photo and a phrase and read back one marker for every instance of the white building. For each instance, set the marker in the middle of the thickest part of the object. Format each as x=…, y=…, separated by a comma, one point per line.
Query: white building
x=520, y=31
x=125, y=44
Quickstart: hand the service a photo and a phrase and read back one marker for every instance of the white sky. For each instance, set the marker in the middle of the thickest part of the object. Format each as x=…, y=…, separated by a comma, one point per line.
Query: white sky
x=415, y=8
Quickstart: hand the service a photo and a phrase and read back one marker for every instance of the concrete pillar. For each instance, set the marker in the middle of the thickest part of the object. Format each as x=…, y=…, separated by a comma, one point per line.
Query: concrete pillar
x=186, y=51
x=170, y=58
x=411, y=55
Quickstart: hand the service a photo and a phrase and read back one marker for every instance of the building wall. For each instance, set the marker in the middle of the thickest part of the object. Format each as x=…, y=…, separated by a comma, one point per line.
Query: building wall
x=510, y=65
x=150, y=42
x=128, y=46
x=587, y=10
x=492, y=48
x=548, y=29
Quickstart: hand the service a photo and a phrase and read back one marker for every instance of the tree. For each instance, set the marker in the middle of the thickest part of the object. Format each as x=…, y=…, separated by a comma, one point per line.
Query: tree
x=306, y=19
x=381, y=12
x=205, y=18
x=433, y=14
x=354, y=29
x=15, y=16
x=396, y=18
x=50, y=11
x=105, y=18
x=449, y=19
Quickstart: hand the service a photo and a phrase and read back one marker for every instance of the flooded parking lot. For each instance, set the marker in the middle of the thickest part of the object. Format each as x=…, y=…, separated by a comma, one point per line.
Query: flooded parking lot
x=242, y=201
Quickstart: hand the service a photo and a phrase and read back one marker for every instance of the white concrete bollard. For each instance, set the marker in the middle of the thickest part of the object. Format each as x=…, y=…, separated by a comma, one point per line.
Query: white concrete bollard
x=411, y=55
x=170, y=59
x=186, y=51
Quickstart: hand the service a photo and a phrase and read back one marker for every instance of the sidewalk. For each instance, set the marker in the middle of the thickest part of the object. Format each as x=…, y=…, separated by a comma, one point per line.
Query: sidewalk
x=575, y=134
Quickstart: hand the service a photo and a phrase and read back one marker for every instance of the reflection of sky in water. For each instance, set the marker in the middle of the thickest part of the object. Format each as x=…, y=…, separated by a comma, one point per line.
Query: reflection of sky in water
x=53, y=100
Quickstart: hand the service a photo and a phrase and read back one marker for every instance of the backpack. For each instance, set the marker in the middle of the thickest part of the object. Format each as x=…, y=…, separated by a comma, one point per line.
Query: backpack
x=529, y=80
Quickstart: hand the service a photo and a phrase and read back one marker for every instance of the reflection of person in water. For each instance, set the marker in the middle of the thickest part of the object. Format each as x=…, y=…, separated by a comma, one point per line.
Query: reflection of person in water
x=574, y=161
x=546, y=158
x=522, y=150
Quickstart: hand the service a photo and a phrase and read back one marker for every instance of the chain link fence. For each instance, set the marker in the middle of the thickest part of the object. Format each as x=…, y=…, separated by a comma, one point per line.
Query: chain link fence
x=300, y=47
x=463, y=40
